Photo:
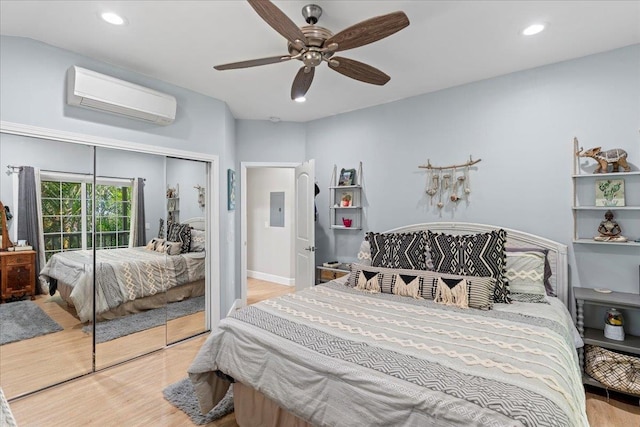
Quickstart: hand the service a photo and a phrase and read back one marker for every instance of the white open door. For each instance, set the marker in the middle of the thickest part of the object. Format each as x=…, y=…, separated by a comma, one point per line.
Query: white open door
x=305, y=226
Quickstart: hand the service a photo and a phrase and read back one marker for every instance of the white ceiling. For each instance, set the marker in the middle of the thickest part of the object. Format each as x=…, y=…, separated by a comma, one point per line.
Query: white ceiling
x=448, y=43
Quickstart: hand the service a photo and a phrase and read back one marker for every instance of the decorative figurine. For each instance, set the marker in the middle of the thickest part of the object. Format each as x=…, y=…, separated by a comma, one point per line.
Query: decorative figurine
x=609, y=230
x=615, y=157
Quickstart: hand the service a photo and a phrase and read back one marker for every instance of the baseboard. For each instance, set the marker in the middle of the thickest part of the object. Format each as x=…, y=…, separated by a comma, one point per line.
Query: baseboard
x=237, y=304
x=271, y=278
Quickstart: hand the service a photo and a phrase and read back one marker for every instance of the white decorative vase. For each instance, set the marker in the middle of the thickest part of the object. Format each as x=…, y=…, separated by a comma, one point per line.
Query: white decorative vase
x=614, y=332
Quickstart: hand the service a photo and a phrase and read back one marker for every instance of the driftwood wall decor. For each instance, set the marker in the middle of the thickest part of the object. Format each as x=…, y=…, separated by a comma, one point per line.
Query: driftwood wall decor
x=448, y=183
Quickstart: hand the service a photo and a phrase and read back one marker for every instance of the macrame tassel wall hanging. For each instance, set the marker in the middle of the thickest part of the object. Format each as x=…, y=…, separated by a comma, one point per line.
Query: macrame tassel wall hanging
x=448, y=182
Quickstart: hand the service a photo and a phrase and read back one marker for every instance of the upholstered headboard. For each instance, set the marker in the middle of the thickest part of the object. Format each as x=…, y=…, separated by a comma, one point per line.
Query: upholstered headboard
x=197, y=222
x=557, y=254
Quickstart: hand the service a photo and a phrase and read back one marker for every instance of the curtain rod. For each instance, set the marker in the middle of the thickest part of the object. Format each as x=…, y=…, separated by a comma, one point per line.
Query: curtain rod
x=14, y=169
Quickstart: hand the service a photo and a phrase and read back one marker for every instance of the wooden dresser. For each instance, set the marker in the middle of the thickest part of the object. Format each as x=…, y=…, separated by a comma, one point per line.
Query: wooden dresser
x=17, y=274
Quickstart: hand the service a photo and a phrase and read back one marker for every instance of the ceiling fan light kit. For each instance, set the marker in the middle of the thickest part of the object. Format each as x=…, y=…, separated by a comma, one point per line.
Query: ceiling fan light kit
x=312, y=45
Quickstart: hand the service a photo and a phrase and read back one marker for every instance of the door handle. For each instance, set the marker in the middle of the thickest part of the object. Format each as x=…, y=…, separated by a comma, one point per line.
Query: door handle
x=310, y=249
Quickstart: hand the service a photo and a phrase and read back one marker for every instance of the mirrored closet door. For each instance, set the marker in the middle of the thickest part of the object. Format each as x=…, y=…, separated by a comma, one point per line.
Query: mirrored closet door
x=124, y=268
x=131, y=279
x=43, y=340
x=186, y=210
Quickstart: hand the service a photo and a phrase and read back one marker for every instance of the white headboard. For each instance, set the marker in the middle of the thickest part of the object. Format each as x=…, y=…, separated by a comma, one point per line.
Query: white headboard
x=557, y=255
x=197, y=222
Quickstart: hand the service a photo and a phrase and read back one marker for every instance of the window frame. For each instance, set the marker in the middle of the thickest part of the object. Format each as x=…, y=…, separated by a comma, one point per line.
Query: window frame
x=84, y=180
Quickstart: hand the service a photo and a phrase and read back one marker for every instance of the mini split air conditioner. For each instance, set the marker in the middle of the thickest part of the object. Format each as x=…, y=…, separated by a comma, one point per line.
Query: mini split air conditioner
x=88, y=89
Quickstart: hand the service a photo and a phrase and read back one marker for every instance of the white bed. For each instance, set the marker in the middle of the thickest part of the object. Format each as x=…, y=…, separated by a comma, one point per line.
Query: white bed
x=336, y=355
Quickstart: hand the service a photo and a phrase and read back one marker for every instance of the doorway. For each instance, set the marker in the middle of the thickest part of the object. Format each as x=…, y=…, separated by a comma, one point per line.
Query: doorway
x=270, y=249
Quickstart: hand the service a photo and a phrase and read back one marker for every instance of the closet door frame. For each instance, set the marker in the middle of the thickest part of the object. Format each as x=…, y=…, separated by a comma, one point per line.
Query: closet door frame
x=212, y=216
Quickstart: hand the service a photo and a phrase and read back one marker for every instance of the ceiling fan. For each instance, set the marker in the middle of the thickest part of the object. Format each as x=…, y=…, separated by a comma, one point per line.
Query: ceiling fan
x=313, y=44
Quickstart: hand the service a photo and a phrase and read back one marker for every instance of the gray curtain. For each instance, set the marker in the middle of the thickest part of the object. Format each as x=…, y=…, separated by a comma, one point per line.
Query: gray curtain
x=140, y=229
x=28, y=217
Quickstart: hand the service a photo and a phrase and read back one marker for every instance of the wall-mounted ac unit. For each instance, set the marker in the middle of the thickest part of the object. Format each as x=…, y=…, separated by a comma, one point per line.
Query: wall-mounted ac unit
x=86, y=88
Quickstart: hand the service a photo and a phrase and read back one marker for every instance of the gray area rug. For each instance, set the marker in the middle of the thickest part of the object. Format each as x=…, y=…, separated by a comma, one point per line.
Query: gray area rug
x=22, y=320
x=183, y=396
x=111, y=329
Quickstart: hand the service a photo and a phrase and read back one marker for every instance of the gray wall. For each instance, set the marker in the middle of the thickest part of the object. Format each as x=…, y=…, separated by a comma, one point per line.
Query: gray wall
x=522, y=126
x=32, y=92
x=188, y=174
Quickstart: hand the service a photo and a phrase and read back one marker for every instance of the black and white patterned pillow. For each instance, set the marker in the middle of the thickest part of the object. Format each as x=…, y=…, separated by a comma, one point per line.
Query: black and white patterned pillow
x=177, y=232
x=481, y=254
x=398, y=250
x=480, y=288
x=531, y=298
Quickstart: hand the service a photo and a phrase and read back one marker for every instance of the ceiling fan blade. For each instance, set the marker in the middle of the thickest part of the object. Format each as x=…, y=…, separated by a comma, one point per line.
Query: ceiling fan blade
x=280, y=22
x=369, y=31
x=253, y=62
x=302, y=82
x=359, y=71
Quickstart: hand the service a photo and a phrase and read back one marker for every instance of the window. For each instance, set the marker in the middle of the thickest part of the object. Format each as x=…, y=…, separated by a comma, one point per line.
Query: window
x=67, y=213
x=113, y=216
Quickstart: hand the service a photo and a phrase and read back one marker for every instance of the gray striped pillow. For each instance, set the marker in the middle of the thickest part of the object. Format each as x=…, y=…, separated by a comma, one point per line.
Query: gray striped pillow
x=480, y=288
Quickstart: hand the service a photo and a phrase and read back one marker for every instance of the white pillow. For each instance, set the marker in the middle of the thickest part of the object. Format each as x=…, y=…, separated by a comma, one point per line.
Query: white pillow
x=525, y=272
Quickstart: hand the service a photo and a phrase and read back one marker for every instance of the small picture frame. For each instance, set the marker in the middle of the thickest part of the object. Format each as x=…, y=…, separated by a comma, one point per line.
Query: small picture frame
x=231, y=189
x=346, y=199
x=610, y=192
x=347, y=177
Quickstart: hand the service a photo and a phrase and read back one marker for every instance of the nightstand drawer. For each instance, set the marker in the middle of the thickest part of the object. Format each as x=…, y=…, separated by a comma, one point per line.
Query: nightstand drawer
x=18, y=259
x=327, y=275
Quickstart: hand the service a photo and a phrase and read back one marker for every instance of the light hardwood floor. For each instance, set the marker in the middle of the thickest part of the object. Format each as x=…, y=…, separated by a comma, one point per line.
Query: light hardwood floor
x=21, y=363
x=131, y=394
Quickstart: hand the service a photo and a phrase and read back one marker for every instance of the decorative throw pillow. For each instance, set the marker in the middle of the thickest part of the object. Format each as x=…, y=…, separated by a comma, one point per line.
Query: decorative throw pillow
x=525, y=272
x=480, y=254
x=480, y=288
x=169, y=248
x=364, y=254
x=177, y=232
x=197, y=240
x=547, y=267
x=161, y=229
x=452, y=292
x=533, y=298
x=153, y=243
x=368, y=281
x=398, y=250
x=407, y=285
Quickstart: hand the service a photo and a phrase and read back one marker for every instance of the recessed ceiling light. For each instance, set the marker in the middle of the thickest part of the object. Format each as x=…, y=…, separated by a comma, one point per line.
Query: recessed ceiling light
x=113, y=18
x=300, y=99
x=533, y=29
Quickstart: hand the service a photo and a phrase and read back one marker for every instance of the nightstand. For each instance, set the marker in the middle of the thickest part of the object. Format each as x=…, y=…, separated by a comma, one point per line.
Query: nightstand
x=326, y=274
x=631, y=343
x=17, y=275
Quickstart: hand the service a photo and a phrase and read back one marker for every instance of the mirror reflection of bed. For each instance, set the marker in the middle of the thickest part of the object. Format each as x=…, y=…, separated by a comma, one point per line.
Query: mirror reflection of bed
x=27, y=364
x=138, y=290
